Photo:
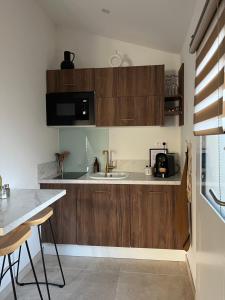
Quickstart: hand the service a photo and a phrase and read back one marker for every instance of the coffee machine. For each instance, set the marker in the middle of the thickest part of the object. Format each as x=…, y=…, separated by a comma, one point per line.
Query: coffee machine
x=164, y=165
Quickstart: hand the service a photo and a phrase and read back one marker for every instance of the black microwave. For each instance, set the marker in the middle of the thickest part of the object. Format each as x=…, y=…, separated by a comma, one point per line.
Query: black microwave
x=72, y=108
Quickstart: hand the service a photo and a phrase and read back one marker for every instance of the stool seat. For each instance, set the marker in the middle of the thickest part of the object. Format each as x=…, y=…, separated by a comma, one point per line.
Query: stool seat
x=14, y=239
x=41, y=217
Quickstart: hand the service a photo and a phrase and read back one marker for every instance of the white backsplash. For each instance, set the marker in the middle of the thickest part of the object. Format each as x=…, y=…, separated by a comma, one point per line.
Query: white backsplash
x=131, y=165
x=47, y=170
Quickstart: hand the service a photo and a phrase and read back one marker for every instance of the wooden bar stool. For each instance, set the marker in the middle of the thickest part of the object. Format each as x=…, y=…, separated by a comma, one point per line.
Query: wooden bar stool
x=38, y=220
x=8, y=244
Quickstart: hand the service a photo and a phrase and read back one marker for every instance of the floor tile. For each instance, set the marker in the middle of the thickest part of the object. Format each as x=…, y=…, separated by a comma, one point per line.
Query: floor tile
x=142, y=286
x=111, y=279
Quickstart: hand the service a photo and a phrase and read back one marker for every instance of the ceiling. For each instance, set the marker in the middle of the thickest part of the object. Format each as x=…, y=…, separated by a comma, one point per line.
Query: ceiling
x=159, y=24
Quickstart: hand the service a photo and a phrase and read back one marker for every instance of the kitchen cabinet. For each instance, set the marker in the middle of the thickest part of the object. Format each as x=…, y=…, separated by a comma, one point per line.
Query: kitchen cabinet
x=74, y=80
x=140, y=81
x=105, y=111
x=127, y=96
x=153, y=217
x=139, y=111
x=143, y=216
x=105, y=82
x=103, y=217
x=64, y=217
x=129, y=111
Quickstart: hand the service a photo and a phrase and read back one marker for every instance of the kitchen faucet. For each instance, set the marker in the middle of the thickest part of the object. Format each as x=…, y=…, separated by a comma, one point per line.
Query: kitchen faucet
x=108, y=164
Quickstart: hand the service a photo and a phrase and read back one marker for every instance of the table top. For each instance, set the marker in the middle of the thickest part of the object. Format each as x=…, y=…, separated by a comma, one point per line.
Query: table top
x=24, y=204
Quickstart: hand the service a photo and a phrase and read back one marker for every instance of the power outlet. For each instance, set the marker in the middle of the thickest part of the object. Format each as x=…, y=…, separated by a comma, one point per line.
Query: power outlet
x=160, y=144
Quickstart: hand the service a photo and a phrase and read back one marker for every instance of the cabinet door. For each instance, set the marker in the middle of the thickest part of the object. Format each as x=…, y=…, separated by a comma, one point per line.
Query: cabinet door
x=64, y=217
x=152, y=217
x=139, y=111
x=154, y=113
x=52, y=81
x=103, y=216
x=105, y=111
x=140, y=81
x=76, y=80
x=79, y=80
x=105, y=82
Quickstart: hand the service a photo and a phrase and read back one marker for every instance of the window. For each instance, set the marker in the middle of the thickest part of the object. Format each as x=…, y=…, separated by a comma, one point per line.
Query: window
x=209, y=111
x=213, y=170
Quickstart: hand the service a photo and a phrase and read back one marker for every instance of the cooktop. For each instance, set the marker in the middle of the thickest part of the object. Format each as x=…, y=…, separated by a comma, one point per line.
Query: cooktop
x=70, y=175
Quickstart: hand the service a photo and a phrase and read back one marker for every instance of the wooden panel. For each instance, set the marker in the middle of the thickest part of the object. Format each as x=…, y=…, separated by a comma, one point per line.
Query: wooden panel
x=52, y=81
x=182, y=218
x=105, y=82
x=130, y=111
x=64, y=218
x=181, y=93
x=102, y=216
x=140, y=81
x=78, y=80
x=140, y=111
x=152, y=217
x=155, y=112
x=105, y=110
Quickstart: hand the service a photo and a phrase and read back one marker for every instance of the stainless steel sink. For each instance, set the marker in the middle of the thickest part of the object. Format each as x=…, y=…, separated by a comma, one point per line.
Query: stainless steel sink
x=109, y=176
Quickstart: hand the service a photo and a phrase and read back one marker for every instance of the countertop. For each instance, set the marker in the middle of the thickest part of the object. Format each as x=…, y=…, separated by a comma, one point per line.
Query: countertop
x=133, y=178
x=23, y=205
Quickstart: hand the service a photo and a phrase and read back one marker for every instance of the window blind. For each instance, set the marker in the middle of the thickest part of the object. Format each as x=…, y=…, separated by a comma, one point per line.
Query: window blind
x=209, y=103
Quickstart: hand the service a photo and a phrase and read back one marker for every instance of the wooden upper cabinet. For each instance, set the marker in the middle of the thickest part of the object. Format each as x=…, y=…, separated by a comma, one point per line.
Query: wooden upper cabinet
x=105, y=111
x=140, y=81
x=103, y=216
x=75, y=80
x=125, y=96
x=105, y=83
x=140, y=111
x=153, y=217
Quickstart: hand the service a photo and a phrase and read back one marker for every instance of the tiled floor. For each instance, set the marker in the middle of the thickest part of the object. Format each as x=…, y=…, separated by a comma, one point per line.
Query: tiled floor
x=113, y=279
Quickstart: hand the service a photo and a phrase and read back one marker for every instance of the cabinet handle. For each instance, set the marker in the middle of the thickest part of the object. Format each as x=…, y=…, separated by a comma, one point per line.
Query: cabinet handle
x=127, y=119
x=222, y=203
x=69, y=84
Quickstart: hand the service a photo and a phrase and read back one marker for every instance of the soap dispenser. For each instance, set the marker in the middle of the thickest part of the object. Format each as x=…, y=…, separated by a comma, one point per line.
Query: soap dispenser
x=96, y=166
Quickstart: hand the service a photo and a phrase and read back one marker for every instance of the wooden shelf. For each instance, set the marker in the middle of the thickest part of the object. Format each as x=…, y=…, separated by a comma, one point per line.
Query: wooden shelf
x=173, y=98
x=173, y=113
x=179, y=97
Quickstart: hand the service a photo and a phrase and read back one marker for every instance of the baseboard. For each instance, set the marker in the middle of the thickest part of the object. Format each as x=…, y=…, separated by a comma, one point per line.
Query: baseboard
x=8, y=289
x=190, y=275
x=117, y=252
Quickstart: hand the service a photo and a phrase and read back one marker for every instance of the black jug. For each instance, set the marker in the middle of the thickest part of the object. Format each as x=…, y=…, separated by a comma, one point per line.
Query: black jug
x=68, y=63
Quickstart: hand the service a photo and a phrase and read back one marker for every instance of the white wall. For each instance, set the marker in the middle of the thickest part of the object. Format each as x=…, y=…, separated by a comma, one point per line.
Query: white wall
x=94, y=51
x=206, y=255
x=133, y=143
x=27, y=50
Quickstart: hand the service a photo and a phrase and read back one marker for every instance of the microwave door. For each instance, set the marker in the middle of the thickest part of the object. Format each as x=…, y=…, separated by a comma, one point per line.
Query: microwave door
x=61, y=112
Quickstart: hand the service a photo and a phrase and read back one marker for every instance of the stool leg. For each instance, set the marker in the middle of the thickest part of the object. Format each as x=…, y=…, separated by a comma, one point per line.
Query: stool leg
x=56, y=250
x=2, y=271
x=11, y=274
x=43, y=262
x=32, y=266
x=18, y=267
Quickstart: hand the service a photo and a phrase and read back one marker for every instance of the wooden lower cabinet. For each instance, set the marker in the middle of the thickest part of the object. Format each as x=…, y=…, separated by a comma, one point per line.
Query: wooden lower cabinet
x=143, y=216
x=64, y=217
x=103, y=217
x=153, y=217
